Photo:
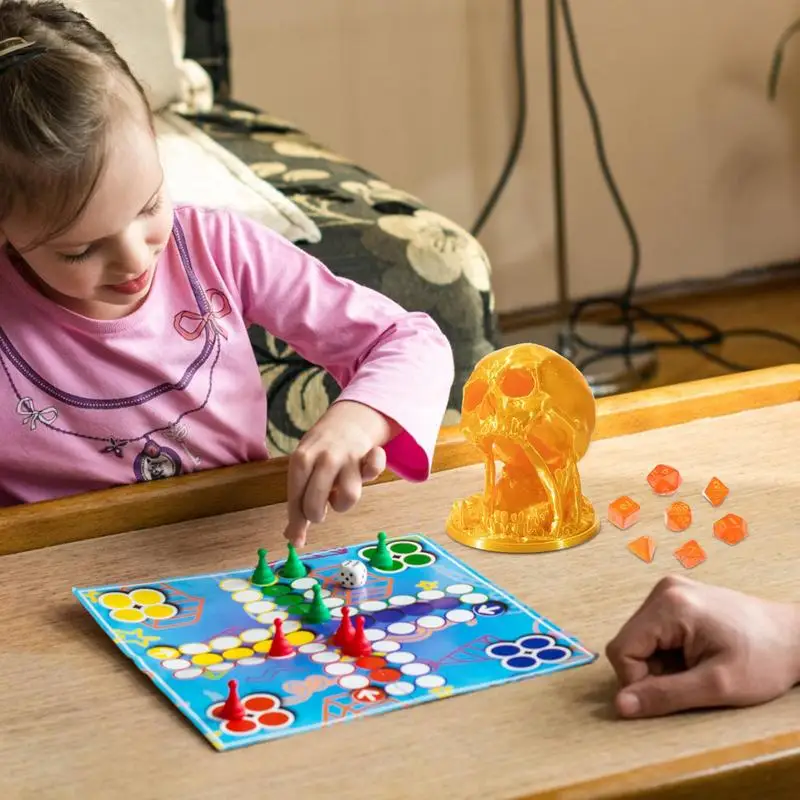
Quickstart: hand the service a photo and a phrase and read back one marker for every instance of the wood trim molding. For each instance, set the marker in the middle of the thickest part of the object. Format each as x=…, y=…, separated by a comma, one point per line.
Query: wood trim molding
x=766, y=769
x=245, y=486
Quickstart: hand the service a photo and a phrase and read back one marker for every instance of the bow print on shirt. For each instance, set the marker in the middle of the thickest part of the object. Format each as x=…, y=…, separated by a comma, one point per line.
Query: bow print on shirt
x=191, y=325
x=32, y=417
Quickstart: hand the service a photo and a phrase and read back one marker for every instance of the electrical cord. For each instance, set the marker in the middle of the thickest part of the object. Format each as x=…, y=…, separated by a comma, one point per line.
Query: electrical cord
x=522, y=119
x=777, y=59
x=629, y=313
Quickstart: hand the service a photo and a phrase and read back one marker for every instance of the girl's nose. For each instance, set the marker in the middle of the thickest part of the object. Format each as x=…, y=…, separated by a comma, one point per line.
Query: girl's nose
x=132, y=256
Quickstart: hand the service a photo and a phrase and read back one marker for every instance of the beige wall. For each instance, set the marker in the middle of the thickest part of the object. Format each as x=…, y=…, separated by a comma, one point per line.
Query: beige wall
x=421, y=92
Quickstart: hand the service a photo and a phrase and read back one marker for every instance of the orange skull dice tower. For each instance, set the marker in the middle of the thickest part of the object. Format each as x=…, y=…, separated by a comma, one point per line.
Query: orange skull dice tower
x=531, y=409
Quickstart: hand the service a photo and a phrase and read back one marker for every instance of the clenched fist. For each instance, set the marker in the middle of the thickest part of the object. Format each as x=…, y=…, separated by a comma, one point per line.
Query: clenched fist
x=692, y=645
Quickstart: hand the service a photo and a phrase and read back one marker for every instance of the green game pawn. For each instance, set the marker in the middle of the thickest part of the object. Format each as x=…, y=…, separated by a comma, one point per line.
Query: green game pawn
x=381, y=558
x=318, y=612
x=294, y=567
x=263, y=574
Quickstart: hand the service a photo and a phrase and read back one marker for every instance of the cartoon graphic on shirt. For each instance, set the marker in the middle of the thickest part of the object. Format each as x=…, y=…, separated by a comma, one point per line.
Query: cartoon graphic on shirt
x=192, y=325
x=32, y=417
x=155, y=463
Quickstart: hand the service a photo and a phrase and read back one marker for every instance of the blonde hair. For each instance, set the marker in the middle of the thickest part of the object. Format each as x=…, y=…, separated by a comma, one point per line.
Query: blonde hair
x=56, y=106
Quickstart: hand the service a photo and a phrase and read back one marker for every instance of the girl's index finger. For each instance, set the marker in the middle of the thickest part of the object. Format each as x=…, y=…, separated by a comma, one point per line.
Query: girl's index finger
x=296, y=532
x=300, y=468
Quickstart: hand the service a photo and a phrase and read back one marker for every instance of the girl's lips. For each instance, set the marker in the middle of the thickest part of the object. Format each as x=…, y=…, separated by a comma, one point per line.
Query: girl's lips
x=132, y=287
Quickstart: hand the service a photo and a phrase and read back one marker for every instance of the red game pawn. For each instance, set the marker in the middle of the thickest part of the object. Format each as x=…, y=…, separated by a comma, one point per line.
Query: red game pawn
x=233, y=708
x=345, y=632
x=358, y=645
x=280, y=647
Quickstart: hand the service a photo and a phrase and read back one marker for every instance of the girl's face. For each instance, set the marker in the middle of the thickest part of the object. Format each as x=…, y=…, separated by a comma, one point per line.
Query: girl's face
x=103, y=266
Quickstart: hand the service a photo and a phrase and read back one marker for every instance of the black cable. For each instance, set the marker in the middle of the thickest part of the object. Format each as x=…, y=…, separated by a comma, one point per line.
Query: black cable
x=713, y=335
x=684, y=341
x=630, y=314
x=602, y=157
x=522, y=118
x=777, y=59
x=636, y=250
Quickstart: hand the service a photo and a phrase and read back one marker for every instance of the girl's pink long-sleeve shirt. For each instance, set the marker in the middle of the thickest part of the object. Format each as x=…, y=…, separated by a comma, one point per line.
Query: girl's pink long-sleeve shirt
x=174, y=387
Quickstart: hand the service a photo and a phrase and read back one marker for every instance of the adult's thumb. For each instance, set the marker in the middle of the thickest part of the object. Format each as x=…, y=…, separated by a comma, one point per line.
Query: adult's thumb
x=658, y=695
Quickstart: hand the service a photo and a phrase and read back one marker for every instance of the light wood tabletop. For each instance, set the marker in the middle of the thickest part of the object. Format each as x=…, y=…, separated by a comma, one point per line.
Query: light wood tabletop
x=80, y=721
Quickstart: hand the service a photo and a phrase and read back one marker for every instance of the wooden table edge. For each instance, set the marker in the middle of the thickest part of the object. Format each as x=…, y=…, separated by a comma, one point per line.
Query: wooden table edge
x=229, y=489
x=765, y=768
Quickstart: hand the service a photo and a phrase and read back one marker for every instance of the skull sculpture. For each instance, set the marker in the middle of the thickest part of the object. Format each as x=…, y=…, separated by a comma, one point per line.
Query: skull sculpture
x=531, y=409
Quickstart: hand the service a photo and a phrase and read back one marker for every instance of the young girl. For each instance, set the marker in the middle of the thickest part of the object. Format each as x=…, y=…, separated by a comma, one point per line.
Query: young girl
x=123, y=320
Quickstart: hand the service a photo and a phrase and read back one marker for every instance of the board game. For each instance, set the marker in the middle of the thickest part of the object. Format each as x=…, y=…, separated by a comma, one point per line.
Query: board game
x=253, y=655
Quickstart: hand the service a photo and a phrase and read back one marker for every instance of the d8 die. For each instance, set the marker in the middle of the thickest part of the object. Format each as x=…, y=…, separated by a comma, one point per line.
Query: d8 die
x=352, y=574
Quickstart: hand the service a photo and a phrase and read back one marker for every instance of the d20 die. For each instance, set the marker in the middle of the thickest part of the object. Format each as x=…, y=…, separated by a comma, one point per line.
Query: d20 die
x=352, y=574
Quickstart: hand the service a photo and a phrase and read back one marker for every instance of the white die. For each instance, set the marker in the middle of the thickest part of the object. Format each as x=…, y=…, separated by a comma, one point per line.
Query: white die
x=352, y=574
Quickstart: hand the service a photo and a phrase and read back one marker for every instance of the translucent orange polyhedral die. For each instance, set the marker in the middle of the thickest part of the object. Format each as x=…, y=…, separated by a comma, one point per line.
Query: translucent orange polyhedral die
x=531, y=413
x=678, y=516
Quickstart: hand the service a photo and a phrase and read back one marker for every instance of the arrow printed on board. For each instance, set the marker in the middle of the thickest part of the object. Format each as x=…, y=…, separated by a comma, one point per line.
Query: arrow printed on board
x=491, y=608
x=369, y=694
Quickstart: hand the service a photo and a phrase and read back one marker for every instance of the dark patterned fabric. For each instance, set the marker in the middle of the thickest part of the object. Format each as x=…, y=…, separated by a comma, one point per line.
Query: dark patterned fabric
x=372, y=233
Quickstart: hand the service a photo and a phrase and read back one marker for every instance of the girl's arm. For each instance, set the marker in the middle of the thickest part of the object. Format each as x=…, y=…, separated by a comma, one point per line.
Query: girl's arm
x=395, y=362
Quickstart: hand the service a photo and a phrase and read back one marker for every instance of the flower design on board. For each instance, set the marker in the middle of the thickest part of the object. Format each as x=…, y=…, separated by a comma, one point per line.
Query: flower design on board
x=138, y=605
x=529, y=652
x=438, y=250
x=262, y=712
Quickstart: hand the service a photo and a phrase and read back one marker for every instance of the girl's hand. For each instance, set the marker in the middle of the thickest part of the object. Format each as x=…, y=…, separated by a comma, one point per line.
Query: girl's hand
x=331, y=463
x=691, y=645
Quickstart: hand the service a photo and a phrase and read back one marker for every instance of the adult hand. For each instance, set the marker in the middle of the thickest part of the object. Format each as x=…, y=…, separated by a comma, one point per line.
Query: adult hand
x=733, y=650
x=331, y=463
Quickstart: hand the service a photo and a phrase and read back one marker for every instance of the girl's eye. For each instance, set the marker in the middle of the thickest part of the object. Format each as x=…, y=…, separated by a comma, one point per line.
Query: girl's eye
x=76, y=258
x=153, y=209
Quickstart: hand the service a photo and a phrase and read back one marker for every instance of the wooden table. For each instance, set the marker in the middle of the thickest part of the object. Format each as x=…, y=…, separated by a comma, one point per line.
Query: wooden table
x=79, y=721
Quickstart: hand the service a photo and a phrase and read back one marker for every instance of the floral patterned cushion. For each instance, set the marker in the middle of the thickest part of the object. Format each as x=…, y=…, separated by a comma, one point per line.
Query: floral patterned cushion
x=372, y=233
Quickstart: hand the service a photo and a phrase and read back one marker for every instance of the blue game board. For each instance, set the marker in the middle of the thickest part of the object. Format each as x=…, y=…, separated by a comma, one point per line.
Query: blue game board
x=437, y=628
